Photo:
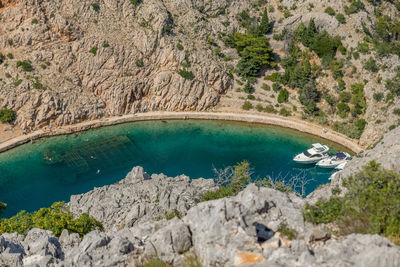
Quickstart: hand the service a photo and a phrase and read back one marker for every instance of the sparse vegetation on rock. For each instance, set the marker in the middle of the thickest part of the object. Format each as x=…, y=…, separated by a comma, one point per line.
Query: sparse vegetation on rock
x=55, y=219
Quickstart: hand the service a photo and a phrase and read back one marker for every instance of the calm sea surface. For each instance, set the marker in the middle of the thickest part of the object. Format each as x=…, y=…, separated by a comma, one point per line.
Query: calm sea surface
x=30, y=180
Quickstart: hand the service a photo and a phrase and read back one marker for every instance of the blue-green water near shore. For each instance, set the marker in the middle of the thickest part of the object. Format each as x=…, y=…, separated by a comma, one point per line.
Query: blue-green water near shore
x=30, y=180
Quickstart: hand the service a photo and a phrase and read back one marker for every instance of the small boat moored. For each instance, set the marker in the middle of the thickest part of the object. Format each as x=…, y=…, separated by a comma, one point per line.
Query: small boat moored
x=312, y=155
x=334, y=161
x=341, y=166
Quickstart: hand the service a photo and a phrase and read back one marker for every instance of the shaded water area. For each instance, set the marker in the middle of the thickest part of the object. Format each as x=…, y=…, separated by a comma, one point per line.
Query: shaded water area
x=48, y=170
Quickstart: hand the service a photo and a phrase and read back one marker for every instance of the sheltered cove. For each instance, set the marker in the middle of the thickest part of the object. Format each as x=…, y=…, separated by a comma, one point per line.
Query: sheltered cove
x=291, y=123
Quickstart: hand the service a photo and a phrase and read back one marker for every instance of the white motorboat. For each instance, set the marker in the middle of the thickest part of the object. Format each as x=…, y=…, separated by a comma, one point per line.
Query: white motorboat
x=312, y=155
x=334, y=161
x=341, y=166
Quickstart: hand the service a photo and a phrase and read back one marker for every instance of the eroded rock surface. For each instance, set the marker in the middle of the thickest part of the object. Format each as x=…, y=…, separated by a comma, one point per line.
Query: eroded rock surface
x=140, y=198
x=235, y=231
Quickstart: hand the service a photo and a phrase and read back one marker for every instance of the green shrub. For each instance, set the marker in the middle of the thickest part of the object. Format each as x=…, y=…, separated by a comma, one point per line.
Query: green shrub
x=370, y=65
x=95, y=7
x=2, y=207
x=288, y=232
x=259, y=108
x=343, y=110
x=174, y=213
x=363, y=47
x=396, y=111
x=358, y=98
x=34, y=21
x=55, y=219
x=248, y=88
x=378, y=97
x=329, y=10
x=370, y=205
x=266, y=87
x=188, y=75
x=7, y=115
x=247, y=105
x=354, y=7
x=281, y=36
x=38, y=85
x=180, y=46
x=283, y=96
x=321, y=42
x=393, y=85
x=285, y=112
x=276, y=87
x=270, y=109
x=105, y=45
x=351, y=129
x=330, y=99
x=341, y=18
x=392, y=127
x=274, y=77
x=16, y=83
x=251, y=97
x=139, y=63
x=26, y=65
x=345, y=97
x=135, y=2
x=93, y=50
x=240, y=178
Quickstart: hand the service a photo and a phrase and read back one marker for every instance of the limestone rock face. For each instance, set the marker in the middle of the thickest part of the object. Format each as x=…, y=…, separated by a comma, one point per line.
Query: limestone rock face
x=94, y=60
x=222, y=228
x=140, y=198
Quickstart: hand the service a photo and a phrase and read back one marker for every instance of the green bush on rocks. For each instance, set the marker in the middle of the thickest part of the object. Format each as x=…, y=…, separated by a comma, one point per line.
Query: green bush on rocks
x=7, y=115
x=370, y=205
x=55, y=219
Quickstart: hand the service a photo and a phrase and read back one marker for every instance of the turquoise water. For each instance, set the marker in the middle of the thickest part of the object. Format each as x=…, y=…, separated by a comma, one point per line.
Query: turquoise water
x=30, y=180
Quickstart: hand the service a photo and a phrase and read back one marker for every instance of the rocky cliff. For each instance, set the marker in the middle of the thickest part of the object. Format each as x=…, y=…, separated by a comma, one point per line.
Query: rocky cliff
x=248, y=229
x=67, y=61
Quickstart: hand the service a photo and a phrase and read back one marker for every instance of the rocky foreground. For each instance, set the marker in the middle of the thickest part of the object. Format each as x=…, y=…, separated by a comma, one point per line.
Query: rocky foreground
x=232, y=231
x=156, y=216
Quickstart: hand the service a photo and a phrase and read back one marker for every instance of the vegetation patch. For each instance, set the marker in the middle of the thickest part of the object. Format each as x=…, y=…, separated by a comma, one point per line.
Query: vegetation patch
x=96, y=7
x=188, y=75
x=55, y=219
x=288, y=232
x=353, y=129
x=93, y=50
x=7, y=115
x=370, y=206
x=25, y=65
x=234, y=184
x=247, y=105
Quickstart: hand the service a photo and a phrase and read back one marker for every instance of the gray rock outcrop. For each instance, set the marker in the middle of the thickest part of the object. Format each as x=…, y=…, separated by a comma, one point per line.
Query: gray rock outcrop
x=249, y=229
x=140, y=198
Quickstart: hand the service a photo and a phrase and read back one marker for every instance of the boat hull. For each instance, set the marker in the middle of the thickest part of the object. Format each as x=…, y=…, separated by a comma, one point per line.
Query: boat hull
x=313, y=161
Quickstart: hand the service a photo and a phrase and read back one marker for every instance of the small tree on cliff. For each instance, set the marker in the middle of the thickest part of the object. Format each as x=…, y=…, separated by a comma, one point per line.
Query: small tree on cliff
x=264, y=27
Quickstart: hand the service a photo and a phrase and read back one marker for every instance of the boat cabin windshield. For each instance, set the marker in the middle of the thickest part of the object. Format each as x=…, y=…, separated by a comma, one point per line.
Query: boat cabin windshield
x=307, y=153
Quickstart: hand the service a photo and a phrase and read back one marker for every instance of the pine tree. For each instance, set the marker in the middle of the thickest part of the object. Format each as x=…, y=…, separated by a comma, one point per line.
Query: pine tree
x=264, y=27
x=308, y=35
